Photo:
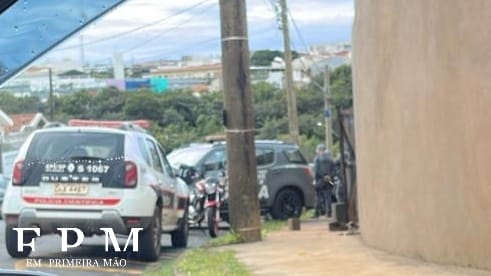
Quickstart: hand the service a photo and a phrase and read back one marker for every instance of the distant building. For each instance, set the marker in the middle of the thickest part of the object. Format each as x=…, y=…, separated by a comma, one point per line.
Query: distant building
x=209, y=75
x=35, y=82
x=273, y=74
x=118, y=66
x=328, y=49
x=304, y=68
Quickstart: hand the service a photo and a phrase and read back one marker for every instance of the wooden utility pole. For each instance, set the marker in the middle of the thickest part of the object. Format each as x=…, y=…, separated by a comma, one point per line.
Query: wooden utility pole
x=290, y=93
x=243, y=199
x=51, y=100
x=327, y=108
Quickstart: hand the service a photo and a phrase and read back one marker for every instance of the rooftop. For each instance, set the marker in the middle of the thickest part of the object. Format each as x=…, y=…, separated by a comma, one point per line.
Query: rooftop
x=19, y=121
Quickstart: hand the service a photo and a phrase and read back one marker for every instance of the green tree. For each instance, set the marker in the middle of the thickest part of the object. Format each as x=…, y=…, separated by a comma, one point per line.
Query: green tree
x=341, y=86
x=78, y=106
x=179, y=117
x=143, y=105
x=109, y=104
x=15, y=105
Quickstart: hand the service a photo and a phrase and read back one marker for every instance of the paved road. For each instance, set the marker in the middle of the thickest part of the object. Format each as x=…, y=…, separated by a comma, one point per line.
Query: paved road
x=48, y=251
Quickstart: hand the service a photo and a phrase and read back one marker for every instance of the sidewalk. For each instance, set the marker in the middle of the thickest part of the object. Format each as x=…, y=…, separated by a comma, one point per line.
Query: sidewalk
x=316, y=251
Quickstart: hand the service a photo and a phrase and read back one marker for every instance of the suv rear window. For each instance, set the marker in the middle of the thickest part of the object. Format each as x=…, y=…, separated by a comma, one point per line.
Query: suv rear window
x=70, y=145
x=294, y=156
x=264, y=156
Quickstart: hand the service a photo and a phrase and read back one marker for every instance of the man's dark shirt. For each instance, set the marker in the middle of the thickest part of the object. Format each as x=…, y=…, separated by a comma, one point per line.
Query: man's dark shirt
x=323, y=165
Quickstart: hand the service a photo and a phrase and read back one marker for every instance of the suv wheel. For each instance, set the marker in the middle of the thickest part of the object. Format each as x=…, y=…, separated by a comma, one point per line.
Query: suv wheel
x=11, y=243
x=149, y=240
x=288, y=203
x=179, y=237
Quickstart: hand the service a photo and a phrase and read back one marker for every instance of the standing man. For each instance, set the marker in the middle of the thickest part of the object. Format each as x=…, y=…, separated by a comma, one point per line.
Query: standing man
x=324, y=171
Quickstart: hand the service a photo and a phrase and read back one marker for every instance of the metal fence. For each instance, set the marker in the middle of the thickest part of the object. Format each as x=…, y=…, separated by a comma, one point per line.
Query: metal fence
x=348, y=163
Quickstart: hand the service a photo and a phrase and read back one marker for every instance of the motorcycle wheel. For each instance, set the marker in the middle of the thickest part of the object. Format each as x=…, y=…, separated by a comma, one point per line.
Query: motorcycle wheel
x=212, y=221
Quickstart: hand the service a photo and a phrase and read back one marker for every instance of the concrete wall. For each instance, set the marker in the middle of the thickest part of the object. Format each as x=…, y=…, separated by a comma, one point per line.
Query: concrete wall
x=422, y=73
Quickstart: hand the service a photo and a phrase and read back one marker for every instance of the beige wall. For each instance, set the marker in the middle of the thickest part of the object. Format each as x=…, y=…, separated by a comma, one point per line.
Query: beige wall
x=422, y=72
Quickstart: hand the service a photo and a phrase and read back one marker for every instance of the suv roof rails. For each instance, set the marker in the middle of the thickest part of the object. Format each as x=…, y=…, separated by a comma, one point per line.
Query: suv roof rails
x=197, y=145
x=138, y=125
x=132, y=127
x=54, y=124
x=270, y=141
x=215, y=138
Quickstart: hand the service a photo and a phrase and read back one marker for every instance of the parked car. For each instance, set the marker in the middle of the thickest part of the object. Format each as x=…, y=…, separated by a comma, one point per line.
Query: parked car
x=284, y=176
x=90, y=177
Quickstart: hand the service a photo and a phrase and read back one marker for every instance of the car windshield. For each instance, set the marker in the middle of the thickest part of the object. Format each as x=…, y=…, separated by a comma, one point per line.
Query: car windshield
x=188, y=156
x=31, y=28
x=66, y=145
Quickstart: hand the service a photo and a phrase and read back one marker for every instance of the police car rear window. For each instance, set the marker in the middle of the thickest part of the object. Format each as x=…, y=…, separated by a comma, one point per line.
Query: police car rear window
x=72, y=145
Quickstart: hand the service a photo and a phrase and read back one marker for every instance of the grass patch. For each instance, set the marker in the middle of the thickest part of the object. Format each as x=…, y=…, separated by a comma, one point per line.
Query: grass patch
x=166, y=268
x=234, y=238
x=204, y=262
x=229, y=238
x=308, y=214
x=271, y=226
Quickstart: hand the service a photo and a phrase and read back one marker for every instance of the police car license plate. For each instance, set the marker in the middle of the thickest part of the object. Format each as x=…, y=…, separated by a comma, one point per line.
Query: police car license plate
x=71, y=189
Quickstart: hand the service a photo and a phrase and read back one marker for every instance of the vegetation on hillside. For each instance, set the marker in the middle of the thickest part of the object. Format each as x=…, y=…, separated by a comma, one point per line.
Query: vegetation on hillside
x=179, y=117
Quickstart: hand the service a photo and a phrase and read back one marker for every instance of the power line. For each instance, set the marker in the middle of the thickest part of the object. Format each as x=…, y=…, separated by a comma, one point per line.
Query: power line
x=297, y=30
x=203, y=43
x=309, y=54
x=159, y=35
x=270, y=5
x=273, y=7
x=137, y=28
x=165, y=32
x=114, y=36
x=195, y=45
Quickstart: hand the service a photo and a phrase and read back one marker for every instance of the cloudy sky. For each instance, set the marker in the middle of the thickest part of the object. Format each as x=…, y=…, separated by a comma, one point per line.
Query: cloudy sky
x=152, y=29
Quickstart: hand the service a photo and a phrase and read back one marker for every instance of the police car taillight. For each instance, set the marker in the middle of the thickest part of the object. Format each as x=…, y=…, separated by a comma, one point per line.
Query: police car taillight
x=131, y=174
x=17, y=174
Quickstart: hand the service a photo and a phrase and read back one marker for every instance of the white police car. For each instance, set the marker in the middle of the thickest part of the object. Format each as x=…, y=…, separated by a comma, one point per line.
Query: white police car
x=91, y=178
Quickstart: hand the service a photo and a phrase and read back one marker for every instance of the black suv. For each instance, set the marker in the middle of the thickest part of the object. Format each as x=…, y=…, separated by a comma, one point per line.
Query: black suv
x=284, y=176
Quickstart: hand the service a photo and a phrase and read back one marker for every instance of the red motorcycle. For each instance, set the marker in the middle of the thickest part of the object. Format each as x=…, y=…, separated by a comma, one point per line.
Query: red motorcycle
x=205, y=203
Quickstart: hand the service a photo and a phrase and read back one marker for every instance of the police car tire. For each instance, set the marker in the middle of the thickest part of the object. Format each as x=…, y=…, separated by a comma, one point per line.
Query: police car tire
x=11, y=243
x=179, y=238
x=148, y=249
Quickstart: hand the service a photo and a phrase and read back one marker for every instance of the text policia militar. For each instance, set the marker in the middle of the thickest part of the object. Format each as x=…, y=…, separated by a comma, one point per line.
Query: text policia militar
x=108, y=233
